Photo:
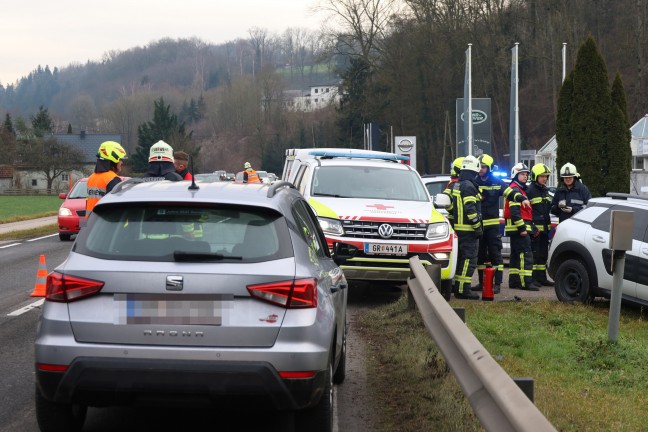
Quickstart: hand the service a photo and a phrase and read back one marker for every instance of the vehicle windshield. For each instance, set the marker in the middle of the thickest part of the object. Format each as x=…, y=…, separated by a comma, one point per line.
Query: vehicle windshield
x=368, y=182
x=185, y=233
x=80, y=190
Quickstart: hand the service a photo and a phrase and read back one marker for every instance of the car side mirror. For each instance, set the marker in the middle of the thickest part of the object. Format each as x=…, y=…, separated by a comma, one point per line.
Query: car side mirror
x=62, y=195
x=343, y=252
x=441, y=200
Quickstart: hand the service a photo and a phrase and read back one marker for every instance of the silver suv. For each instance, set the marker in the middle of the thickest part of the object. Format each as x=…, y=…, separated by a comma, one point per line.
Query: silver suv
x=579, y=257
x=222, y=292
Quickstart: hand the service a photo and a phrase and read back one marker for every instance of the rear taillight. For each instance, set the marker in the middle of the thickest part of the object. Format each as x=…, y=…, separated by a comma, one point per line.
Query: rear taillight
x=51, y=367
x=301, y=293
x=297, y=375
x=65, y=288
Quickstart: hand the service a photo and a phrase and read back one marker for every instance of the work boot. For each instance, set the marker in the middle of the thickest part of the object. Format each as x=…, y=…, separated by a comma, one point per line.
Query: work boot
x=477, y=288
x=546, y=282
x=533, y=286
x=467, y=294
x=497, y=288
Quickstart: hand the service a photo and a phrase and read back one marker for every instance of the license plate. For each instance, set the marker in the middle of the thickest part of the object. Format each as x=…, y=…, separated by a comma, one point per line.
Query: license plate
x=385, y=249
x=191, y=309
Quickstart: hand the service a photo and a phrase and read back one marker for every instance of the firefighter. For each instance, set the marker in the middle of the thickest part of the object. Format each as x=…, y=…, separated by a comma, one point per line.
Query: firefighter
x=520, y=227
x=538, y=195
x=491, y=188
x=106, y=173
x=467, y=216
x=249, y=175
x=572, y=196
x=454, y=175
x=160, y=163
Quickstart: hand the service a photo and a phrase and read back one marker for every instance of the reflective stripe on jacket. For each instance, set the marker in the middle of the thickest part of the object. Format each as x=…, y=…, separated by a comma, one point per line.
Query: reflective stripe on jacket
x=252, y=176
x=97, y=184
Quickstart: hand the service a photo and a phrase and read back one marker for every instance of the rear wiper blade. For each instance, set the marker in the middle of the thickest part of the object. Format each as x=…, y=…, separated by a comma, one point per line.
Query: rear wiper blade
x=330, y=195
x=202, y=256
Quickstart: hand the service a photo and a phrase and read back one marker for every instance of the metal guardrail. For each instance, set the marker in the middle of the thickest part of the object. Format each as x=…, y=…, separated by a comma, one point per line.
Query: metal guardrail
x=495, y=398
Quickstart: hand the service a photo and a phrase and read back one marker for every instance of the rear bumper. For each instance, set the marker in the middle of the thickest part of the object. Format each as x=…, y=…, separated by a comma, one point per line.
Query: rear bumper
x=107, y=382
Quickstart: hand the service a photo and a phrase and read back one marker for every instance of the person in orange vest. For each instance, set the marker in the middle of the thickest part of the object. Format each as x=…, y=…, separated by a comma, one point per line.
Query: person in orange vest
x=181, y=162
x=106, y=173
x=249, y=175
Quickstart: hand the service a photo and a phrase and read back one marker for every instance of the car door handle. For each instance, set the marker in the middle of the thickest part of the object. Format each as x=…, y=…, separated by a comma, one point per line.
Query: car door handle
x=598, y=239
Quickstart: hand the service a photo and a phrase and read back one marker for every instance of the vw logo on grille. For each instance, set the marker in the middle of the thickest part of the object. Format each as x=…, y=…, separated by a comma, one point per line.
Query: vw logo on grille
x=385, y=230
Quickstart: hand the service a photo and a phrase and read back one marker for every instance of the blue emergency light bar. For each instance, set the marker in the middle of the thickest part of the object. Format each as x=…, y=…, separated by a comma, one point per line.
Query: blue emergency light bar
x=382, y=156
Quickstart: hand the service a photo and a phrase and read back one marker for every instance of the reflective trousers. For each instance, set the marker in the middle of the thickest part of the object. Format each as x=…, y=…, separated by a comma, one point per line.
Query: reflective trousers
x=521, y=261
x=540, y=249
x=490, y=250
x=466, y=260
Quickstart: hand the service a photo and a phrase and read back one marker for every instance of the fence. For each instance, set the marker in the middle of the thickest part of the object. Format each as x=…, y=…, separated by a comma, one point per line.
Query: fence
x=496, y=399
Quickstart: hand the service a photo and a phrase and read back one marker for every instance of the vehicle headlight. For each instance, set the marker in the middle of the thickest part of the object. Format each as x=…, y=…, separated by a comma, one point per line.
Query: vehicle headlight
x=331, y=226
x=64, y=211
x=437, y=230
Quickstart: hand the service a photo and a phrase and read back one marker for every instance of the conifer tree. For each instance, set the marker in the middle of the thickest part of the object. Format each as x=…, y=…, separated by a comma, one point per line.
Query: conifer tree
x=42, y=122
x=8, y=124
x=566, y=147
x=619, y=158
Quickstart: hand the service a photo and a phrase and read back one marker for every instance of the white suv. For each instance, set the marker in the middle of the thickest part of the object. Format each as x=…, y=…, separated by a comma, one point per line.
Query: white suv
x=372, y=201
x=579, y=257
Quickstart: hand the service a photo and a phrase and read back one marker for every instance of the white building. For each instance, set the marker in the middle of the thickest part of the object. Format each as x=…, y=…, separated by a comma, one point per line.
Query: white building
x=318, y=97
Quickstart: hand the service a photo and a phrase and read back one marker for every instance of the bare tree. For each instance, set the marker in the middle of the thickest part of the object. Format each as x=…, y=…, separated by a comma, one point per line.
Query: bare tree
x=258, y=38
x=51, y=158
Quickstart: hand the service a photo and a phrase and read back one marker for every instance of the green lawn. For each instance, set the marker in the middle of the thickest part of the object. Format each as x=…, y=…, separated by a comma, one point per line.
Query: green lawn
x=582, y=382
x=16, y=208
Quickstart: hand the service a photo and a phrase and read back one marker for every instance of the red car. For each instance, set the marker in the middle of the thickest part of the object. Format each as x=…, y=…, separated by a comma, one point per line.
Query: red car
x=72, y=209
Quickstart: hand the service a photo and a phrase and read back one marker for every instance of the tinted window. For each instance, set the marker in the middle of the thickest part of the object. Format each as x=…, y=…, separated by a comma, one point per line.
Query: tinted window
x=368, y=182
x=435, y=188
x=157, y=232
x=640, y=221
x=308, y=228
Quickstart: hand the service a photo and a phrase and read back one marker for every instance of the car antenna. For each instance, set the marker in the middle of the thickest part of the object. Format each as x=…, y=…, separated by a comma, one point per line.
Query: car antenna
x=193, y=186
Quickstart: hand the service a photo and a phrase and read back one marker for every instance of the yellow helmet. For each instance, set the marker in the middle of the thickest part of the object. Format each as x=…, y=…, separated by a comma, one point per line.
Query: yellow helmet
x=486, y=160
x=569, y=170
x=456, y=166
x=538, y=170
x=112, y=151
x=247, y=165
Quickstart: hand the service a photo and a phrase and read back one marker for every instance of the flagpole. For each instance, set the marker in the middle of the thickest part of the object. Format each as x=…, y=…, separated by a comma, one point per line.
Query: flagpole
x=467, y=112
x=517, y=107
x=564, y=60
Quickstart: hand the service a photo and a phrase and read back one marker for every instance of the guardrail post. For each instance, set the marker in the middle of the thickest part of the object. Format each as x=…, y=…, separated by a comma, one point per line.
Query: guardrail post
x=526, y=385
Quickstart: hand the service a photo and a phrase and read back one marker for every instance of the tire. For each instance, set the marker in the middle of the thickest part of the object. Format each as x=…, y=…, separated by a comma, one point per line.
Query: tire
x=65, y=237
x=572, y=282
x=340, y=372
x=320, y=417
x=56, y=417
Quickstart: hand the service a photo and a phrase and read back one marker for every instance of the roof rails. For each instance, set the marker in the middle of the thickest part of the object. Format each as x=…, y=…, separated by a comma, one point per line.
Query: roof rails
x=625, y=196
x=348, y=154
x=274, y=187
x=130, y=181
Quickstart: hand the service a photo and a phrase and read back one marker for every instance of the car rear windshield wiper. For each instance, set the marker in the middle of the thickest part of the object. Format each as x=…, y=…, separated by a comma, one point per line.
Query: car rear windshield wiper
x=202, y=256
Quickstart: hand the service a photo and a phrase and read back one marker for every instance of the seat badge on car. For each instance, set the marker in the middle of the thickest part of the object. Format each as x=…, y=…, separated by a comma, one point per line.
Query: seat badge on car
x=174, y=283
x=385, y=231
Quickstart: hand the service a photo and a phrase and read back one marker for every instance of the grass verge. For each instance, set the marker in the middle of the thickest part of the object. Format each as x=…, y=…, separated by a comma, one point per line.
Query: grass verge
x=34, y=232
x=582, y=382
x=18, y=208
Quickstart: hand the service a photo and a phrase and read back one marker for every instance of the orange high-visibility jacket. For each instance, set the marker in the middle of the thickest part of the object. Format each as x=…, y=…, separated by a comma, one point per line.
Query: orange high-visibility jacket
x=97, y=184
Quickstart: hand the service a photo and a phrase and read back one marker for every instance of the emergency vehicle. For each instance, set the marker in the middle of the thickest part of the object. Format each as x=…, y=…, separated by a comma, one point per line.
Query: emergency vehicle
x=378, y=203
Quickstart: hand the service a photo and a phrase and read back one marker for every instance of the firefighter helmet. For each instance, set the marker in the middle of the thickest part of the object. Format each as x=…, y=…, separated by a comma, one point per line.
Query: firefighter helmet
x=471, y=163
x=112, y=151
x=161, y=152
x=487, y=160
x=538, y=170
x=569, y=170
x=456, y=166
x=247, y=165
x=517, y=169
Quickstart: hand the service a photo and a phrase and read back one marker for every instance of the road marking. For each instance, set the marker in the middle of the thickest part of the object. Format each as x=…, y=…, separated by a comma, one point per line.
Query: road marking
x=27, y=308
x=41, y=238
x=9, y=245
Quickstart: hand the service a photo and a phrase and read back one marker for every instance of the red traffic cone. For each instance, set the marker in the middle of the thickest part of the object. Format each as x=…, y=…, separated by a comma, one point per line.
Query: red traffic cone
x=487, y=283
x=41, y=278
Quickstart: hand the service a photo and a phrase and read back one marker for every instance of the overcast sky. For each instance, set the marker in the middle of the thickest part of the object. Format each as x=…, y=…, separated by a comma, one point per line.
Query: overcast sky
x=60, y=32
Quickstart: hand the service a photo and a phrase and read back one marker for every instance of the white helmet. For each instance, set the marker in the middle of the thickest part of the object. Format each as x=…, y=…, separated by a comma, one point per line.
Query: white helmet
x=518, y=168
x=161, y=152
x=569, y=170
x=471, y=163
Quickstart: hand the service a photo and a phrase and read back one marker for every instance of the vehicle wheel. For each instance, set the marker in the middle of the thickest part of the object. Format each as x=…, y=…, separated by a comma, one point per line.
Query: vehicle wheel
x=65, y=237
x=340, y=372
x=572, y=282
x=320, y=417
x=52, y=416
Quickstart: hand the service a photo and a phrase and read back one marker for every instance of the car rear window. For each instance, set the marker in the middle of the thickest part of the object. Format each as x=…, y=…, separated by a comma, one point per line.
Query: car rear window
x=368, y=182
x=185, y=233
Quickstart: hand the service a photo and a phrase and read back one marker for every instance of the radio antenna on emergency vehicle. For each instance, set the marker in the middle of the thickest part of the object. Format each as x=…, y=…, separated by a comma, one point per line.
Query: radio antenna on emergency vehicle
x=193, y=186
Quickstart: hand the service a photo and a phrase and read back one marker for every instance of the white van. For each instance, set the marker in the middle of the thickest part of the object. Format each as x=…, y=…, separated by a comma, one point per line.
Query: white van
x=373, y=201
